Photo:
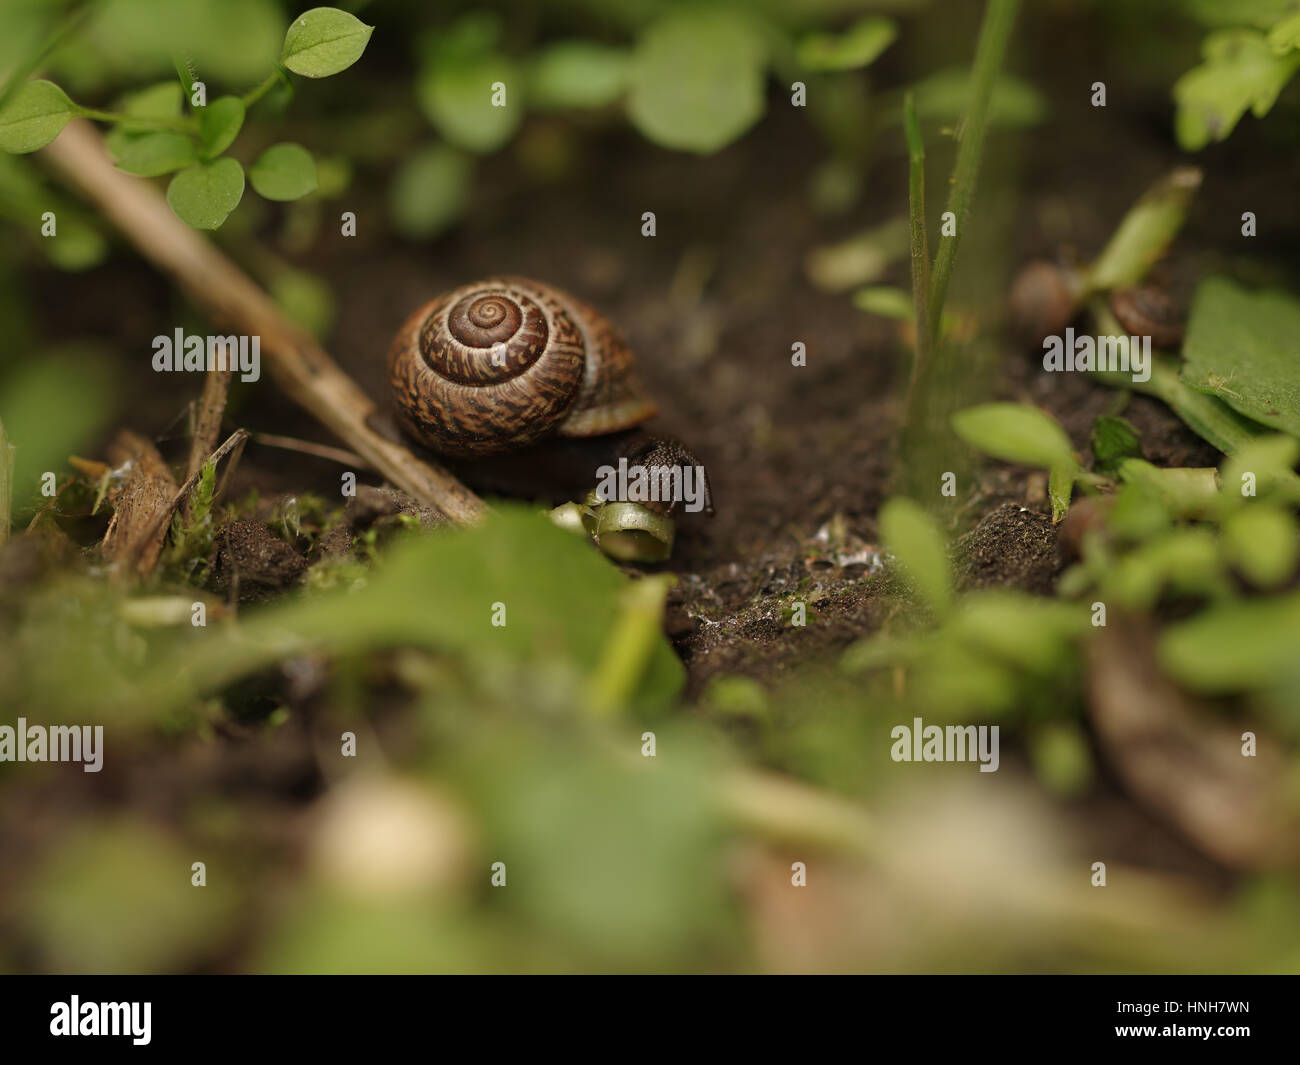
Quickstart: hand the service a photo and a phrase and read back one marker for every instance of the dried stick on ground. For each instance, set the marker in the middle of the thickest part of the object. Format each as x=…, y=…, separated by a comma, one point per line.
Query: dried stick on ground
x=142, y=507
x=207, y=419
x=298, y=364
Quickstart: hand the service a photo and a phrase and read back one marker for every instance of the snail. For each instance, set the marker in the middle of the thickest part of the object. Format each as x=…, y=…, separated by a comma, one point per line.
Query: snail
x=1149, y=311
x=530, y=382
x=503, y=363
x=1046, y=297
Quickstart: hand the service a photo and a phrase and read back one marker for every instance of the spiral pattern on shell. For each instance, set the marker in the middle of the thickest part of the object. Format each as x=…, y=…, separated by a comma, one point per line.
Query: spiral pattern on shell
x=503, y=363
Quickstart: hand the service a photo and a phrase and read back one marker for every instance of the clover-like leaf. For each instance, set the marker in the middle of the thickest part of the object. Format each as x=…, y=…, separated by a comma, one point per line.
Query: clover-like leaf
x=284, y=172
x=203, y=195
x=34, y=116
x=324, y=41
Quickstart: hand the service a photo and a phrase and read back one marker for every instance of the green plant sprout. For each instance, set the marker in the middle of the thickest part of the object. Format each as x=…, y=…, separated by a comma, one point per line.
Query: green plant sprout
x=152, y=135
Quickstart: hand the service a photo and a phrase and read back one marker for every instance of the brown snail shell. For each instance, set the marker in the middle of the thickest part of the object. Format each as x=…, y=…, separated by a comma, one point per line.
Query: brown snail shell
x=1044, y=299
x=1149, y=311
x=503, y=363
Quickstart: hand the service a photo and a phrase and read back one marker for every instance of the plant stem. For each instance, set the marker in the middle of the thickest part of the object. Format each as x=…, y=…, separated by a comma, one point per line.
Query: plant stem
x=253, y=95
x=299, y=365
x=175, y=125
x=999, y=18
x=6, y=483
x=919, y=242
x=629, y=645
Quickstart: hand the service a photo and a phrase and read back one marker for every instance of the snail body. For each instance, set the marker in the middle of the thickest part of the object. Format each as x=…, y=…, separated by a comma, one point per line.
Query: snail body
x=506, y=362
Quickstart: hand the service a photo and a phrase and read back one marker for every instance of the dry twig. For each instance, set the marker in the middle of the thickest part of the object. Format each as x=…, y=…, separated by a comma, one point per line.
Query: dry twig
x=299, y=365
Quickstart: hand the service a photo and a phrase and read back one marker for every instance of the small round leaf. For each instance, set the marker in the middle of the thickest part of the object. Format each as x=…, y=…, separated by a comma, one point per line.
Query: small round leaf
x=457, y=94
x=205, y=194
x=697, y=79
x=284, y=172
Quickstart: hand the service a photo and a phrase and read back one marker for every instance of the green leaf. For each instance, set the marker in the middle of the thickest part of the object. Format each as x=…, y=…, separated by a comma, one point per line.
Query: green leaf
x=887, y=301
x=1185, y=560
x=1184, y=491
x=1261, y=13
x=161, y=101
x=1145, y=231
x=697, y=79
x=456, y=94
x=306, y=299
x=907, y=532
x=1060, y=753
x=156, y=153
x=34, y=116
x=1026, y=631
x=1241, y=70
x=1270, y=460
x=944, y=97
x=1241, y=347
x=430, y=190
x=1060, y=487
x=1285, y=36
x=324, y=41
x=219, y=124
x=1015, y=432
x=1262, y=542
x=578, y=74
x=53, y=405
x=284, y=172
x=516, y=557
x=858, y=46
x=204, y=195
x=1240, y=645
x=124, y=908
x=1113, y=439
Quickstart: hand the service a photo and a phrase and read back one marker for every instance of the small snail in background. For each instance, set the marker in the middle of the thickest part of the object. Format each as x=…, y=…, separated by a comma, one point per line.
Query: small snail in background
x=1149, y=311
x=1046, y=297
x=512, y=367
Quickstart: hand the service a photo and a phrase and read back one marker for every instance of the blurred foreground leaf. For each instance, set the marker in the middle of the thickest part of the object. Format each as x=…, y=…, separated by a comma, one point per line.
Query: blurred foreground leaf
x=559, y=601
x=909, y=534
x=1241, y=347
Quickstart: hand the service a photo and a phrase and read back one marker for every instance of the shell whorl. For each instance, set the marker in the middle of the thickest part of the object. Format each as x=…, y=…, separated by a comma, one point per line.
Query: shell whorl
x=502, y=363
